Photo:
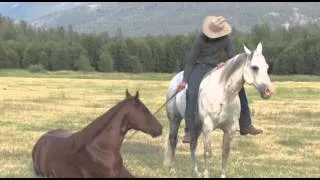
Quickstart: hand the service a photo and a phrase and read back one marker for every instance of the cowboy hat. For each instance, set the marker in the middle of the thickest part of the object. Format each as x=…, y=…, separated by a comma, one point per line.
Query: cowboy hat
x=215, y=26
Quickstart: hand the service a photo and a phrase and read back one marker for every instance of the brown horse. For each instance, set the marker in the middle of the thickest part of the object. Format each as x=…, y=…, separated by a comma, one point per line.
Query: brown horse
x=94, y=151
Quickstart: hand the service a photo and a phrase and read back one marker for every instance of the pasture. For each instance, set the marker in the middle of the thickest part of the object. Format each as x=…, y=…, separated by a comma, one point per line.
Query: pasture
x=31, y=104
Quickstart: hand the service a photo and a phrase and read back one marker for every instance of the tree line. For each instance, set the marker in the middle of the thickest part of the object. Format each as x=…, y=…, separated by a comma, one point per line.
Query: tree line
x=293, y=51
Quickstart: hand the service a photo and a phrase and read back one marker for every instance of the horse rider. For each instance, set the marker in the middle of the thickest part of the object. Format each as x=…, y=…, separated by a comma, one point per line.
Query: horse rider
x=210, y=45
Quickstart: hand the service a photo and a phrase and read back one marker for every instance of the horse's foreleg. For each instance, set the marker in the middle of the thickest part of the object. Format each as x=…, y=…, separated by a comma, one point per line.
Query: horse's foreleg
x=226, y=142
x=207, y=151
x=171, y=141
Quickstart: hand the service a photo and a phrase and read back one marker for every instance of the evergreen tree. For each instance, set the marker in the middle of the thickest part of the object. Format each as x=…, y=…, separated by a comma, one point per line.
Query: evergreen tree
x=83, y=64
x=105, y=63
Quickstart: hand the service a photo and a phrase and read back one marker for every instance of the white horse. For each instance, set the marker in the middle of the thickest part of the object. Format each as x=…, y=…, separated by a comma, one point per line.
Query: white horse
x=218, y=104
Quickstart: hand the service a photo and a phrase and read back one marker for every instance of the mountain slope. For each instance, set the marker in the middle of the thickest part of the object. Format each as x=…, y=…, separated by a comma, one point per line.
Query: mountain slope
x=31, y=10
x=141, y=18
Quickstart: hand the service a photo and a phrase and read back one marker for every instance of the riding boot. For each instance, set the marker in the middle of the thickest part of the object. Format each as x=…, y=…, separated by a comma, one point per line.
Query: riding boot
x=251, y=130
x=187, y=138
x=245, y=118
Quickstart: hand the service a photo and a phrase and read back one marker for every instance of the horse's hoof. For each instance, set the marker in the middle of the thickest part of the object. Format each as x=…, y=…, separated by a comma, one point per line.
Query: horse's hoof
x=206, y=174
x=172, y=171
x=196, y=174
x=223, y=176
x=167, y=164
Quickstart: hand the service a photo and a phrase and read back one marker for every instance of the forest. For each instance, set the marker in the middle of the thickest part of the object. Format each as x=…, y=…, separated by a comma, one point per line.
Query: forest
x=288, y=51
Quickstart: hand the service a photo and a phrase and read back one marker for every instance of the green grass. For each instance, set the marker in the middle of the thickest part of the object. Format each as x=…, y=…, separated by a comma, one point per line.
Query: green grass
x=85, y=75
x=141, y=76
x=33, y=103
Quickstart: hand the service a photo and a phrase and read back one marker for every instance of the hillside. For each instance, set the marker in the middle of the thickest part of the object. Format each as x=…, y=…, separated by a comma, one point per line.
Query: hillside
x=141, y=18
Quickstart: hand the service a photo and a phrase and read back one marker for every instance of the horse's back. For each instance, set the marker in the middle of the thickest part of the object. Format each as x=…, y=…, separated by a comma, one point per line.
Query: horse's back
x=55, y=136
x=46, y=146
x=61, y=133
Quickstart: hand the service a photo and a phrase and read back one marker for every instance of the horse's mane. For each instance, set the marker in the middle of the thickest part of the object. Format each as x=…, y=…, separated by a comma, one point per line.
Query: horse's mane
x=230, y=66
x=90, y=132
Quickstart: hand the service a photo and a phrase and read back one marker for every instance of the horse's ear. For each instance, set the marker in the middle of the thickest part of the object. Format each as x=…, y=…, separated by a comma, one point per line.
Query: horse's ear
x=246, y=50
x=137, y=95
x=127, y=93
x=259, y=48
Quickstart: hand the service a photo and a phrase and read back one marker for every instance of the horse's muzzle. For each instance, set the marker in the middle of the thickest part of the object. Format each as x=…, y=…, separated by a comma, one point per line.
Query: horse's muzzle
x=266, y=90
x=157, y=131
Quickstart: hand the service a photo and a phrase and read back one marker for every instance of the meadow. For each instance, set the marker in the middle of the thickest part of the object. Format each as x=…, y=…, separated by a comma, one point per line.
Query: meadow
x=33, y=103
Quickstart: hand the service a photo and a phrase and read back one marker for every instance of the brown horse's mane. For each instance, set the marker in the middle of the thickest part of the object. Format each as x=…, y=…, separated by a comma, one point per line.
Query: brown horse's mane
x=80, y=139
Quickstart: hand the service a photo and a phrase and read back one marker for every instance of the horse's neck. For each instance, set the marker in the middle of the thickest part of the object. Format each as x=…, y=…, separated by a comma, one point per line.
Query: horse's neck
x=99, y=128
x=232, y=76
x=104, y=149
x=234, y=83
x=113, y=135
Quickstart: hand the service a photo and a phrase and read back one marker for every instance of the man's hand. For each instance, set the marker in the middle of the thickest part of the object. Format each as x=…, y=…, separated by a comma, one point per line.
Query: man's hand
x=181, y=86
x=219, y=65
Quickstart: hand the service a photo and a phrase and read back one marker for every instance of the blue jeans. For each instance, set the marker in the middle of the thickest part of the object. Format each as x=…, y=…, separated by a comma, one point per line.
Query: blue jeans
x=194, y=81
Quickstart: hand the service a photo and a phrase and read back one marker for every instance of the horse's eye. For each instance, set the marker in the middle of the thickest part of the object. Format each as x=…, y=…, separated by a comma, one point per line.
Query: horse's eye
x=255, y=68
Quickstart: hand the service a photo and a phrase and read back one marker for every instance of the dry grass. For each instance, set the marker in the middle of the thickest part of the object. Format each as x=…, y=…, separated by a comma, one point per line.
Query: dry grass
x=289, y=147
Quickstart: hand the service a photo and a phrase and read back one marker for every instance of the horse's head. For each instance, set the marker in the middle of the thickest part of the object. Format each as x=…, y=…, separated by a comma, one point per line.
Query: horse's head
x=140, y=117
x=256, y=72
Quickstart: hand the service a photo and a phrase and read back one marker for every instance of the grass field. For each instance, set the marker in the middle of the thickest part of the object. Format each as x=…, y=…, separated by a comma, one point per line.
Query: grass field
x=31, y=104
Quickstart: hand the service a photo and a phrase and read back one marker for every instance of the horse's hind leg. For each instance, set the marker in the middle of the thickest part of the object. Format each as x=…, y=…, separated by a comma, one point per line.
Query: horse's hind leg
x=193, y=146
x=171, y=139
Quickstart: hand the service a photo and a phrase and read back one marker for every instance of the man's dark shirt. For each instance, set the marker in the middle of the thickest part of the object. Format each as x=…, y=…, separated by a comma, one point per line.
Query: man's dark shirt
x=208, y=51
